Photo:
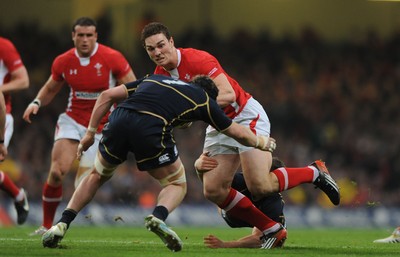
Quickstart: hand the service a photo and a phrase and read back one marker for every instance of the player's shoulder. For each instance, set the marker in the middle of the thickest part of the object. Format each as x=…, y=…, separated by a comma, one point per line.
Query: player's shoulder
x=5, y=43
x=193, y=53
x=4, y=40
x=106, y=50
x=66, y=55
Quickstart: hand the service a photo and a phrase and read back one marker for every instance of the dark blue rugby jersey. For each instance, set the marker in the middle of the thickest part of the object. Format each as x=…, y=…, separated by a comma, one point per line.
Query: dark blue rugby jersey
x=174, y=101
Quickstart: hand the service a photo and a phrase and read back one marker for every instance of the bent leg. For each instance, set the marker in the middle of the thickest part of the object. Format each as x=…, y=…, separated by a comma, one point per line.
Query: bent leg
x=63, y=155
x=173, y=180
x=256, y=166
x=87, y=189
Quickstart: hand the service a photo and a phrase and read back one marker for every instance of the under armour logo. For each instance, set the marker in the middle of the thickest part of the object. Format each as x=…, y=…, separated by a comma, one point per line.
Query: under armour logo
x=73, y=71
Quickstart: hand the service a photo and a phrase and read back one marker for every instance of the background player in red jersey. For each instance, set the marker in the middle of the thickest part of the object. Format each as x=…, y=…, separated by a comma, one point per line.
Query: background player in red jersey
x=13, y=77
x=88, y=69
x=185, y=64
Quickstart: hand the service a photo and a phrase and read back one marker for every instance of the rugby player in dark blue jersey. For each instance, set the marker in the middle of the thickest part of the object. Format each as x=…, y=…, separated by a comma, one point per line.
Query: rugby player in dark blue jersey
x=142, y=123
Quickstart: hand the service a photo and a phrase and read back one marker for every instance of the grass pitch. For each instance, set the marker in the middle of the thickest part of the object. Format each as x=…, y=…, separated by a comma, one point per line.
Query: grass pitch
x=137, y=241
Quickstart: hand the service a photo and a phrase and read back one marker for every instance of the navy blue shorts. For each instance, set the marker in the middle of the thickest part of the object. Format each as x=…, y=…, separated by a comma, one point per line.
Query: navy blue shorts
x=146, y=136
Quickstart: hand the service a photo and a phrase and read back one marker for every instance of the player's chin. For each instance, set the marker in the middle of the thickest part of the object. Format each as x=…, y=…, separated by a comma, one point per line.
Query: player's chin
x=84, y=51
x=160, y=62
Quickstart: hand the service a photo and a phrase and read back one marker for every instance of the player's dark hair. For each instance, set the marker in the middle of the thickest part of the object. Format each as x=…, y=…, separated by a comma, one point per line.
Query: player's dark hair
x=207, y=84
x=154, y=28
x=84, y=22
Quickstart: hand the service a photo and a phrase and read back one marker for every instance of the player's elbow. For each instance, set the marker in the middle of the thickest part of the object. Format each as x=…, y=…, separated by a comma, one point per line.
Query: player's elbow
x=226, y=98
x=25, y=83
x=21, y=77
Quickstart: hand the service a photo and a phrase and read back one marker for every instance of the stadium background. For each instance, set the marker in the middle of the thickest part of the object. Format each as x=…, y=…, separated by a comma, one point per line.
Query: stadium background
x=327, y=73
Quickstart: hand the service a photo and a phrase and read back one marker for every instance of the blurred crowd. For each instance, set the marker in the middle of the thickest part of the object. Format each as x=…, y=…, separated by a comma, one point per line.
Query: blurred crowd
x=336, y=101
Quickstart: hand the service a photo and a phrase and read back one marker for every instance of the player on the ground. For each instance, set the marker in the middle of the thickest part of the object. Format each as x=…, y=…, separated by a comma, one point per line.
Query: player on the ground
x=143, y=123
x=272, y=205
x=13, y=77
x=87, y=69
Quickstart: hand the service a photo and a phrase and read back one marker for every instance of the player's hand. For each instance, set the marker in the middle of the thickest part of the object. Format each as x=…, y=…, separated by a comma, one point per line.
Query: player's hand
x=212, y=241
x=84, y=144
x=31, y=109
x=205, y=163
x=266, y=143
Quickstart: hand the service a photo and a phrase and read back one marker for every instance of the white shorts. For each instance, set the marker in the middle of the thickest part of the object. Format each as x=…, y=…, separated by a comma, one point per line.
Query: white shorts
x=252, y=116
x=9, y=129
x=68, y=128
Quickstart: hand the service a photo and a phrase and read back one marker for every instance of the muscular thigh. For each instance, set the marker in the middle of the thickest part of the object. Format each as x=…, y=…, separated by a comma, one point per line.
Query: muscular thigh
x=256, y=166
x=63, y=154
x=222, y=175
x=164, y=171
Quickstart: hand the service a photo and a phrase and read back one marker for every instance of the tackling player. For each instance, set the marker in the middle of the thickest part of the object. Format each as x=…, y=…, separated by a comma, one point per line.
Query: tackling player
x=185, y=64
x=143, y=123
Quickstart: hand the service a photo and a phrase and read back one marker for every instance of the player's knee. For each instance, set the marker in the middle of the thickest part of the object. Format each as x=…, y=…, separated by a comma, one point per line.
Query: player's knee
x=176, y=178
x=56, y=176
x=215, y=194
x=102, y=169
x=260, y=191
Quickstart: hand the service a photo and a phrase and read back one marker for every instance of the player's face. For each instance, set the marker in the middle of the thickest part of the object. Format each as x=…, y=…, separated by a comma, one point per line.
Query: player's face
x=162, y=51
x=85, y=38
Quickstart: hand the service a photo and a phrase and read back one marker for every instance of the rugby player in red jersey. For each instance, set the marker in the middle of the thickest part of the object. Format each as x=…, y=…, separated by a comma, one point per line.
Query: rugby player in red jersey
x=185, y=64
x=87, y=69
x=13, y=77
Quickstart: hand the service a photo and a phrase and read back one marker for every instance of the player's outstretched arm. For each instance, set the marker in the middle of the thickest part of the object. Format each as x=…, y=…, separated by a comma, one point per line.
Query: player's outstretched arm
x=250, y=241
x=204, y=164
x=44, y=97
x=102, y=106
x=246, y=137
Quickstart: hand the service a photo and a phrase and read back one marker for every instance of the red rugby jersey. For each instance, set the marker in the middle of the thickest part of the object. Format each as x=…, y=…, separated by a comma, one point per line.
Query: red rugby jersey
x=10, y=60
x=88, y=77
x=195, y=62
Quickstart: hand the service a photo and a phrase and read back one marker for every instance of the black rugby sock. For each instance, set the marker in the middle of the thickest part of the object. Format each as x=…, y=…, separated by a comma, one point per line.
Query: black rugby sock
x=160, y=212
x=68, y=216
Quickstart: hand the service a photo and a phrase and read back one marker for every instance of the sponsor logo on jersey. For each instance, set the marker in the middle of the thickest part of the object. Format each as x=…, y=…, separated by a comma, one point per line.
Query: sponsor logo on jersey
x=87, y=95
x=187, y=77
x=73, y=71
x=163, y=158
